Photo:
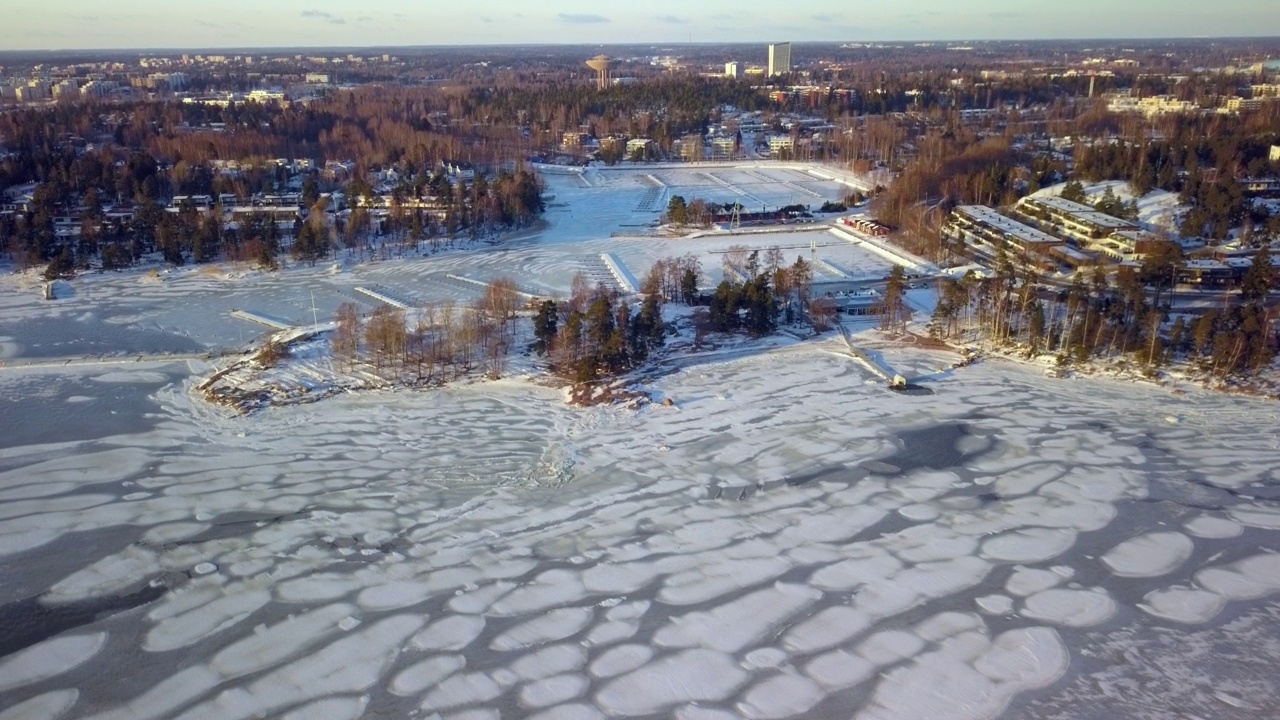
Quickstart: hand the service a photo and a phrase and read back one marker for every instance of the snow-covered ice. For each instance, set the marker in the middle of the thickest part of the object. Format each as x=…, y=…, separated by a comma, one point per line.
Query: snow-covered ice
x=484, y=550
x=1072, y=608
x=687, y=676
x=49, y=658
x=1149, y=555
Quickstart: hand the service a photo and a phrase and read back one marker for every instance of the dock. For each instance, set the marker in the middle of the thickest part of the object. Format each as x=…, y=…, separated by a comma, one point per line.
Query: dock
x=879, y=369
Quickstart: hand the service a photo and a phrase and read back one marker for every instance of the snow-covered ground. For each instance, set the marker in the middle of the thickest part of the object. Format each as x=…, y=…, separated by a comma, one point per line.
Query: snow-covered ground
x=187, y=309
x=789, y=540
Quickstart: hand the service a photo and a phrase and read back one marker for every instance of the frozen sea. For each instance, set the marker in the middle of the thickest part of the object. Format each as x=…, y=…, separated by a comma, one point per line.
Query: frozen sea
x=790, y=540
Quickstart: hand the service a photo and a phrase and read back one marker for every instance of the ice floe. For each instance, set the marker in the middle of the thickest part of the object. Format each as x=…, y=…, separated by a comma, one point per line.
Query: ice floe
x=1183, y=604
x=1149, y=555
x=687, y=676
x=969, y=676
x=48, y=659
x=1072, y=608
x=49, y=706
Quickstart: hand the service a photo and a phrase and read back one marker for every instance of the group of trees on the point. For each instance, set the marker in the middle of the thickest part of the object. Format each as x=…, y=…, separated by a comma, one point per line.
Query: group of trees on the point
x=759, y=291
x=431, y=344
x=597, y=334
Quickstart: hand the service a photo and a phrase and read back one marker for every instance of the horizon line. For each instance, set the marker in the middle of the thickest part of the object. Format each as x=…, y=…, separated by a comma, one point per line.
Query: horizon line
x=285, y=48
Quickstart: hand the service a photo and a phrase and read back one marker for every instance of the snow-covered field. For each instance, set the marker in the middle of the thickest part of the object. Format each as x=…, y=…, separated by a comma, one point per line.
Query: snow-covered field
x=1006, y=546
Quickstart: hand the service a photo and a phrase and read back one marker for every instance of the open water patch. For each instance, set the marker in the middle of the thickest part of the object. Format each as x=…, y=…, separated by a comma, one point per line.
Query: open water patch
x=944, y=446
x=30, y=621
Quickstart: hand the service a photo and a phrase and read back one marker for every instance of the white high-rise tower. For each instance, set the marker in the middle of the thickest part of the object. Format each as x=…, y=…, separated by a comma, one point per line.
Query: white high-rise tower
x=779, y=59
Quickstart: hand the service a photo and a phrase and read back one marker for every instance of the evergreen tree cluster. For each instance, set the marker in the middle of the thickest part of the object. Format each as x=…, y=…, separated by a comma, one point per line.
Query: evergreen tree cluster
x=597, y=334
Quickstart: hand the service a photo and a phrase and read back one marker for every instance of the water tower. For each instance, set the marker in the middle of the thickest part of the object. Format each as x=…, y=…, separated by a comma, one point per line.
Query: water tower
x=601, y=64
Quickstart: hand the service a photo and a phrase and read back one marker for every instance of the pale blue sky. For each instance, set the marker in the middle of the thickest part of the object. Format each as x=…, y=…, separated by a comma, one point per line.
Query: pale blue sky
x=60, y=24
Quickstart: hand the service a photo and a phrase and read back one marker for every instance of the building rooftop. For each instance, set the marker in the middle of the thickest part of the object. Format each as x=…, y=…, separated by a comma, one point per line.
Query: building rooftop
x=1081, y=212
x=1102, y=220
x=1060, y=204
x=1012, y=228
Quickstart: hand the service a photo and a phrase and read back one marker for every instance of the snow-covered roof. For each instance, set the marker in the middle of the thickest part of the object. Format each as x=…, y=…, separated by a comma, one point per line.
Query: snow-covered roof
x=1060, y=204
x=1012, y=228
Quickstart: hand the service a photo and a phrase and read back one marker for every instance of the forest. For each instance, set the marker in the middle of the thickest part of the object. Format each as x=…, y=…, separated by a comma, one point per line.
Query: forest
x=1199, y=157
x=1096, y=319
x=462, y=213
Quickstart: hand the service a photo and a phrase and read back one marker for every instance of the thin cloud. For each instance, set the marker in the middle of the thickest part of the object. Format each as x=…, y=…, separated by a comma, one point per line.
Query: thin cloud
x=582, y=18
x=321, y=15
x=670, y=19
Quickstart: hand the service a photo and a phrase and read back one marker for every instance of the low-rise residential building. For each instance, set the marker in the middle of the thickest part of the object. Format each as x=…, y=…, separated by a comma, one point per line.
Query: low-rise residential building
x=199, y=202
x=458, y=170
x=574, y=140
x=291, y=200
x=867, y=226
x=1265, y=186
x=641, y=147
x=20, y=197
x=336, y=171
x=1073, y=219
x=264, y=96
x=981, y=225
x=1208, y=272
x=723, y=148
x=691, y=148
x=1239, y=104
x=781, y=145
x=1123, y=246
x=240, y=213
x=613, y=144
x=1150, y=106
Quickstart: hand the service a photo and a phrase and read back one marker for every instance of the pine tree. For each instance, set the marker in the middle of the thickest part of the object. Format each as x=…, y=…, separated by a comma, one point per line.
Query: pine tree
x=544, y=327
x=1036, y=328
x=723, y=313
x=689, y=285
x=650, y=317
x=1074, y=192
x=894, y=293
x=1259, y=278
